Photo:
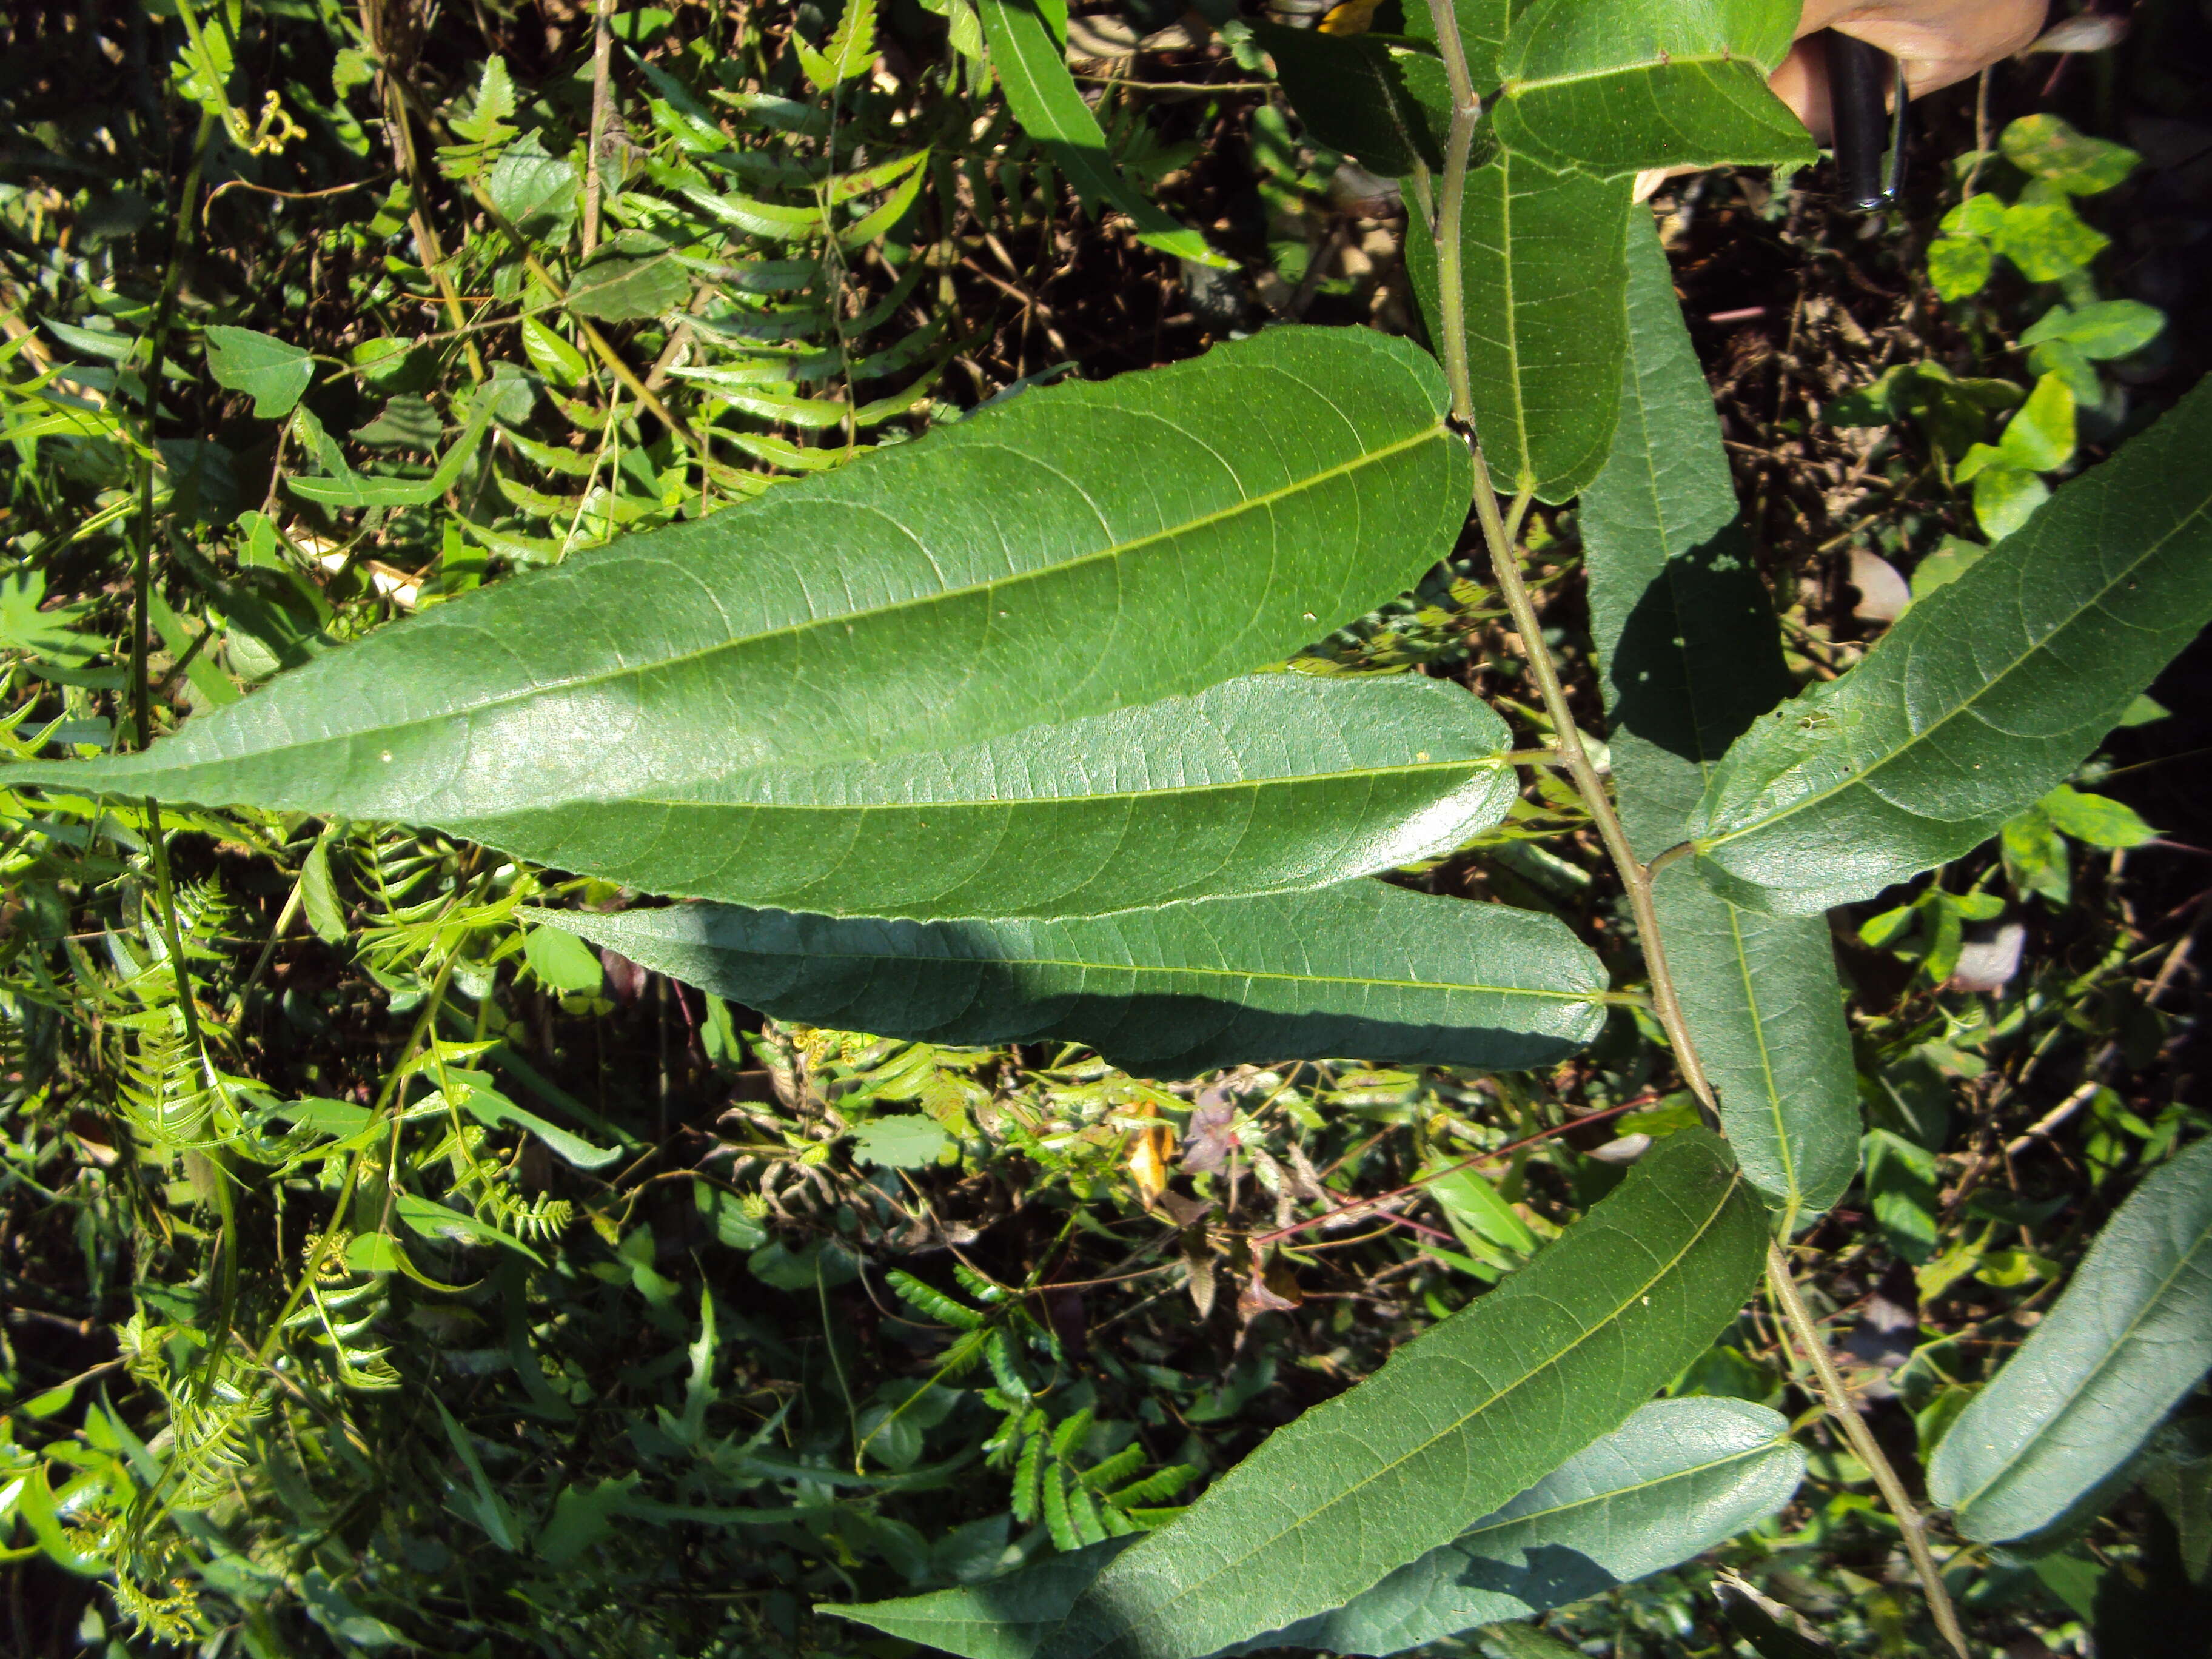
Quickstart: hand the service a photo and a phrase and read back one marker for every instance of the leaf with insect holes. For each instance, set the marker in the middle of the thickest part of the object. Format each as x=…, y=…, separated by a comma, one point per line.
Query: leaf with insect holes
x=1691, y=655
x=1988, y=692
x=857, y=651
x=1360, y=969
x=2130, y=1336
x=1460, y=1418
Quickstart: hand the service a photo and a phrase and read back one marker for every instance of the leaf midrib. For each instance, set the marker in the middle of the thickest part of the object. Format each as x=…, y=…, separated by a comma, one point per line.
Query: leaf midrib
x=2073, y=1396
x=1514, y=88
x=659, y=664
x=1592, y=996
x=1764, y=1448
x=1864, y=777
x=1712, y=1219
x=1007, y=803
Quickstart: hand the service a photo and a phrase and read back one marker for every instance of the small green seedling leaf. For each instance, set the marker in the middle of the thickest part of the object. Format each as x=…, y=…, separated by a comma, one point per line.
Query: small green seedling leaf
x=274, y=372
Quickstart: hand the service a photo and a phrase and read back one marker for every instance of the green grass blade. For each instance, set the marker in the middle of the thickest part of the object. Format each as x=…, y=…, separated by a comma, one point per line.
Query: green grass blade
x=1363, y=968
x=2131, y=1336
x=1988, y=692
x=1691, y=657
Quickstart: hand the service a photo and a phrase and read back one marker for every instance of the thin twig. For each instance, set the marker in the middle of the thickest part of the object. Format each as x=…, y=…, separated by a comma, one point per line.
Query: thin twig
x=1841, y=1407
x=601, y=53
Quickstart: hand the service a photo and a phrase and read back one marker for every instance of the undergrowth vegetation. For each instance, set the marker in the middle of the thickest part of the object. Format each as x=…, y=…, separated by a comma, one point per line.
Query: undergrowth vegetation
x=389, y=1269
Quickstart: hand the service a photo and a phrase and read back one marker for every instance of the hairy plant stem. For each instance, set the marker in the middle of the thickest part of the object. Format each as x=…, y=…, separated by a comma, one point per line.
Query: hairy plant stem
x=1500, y=533
x=1846, y=1414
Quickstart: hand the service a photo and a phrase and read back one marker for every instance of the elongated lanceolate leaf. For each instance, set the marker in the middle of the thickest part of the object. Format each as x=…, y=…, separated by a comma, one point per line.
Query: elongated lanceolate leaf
x=1988, y=692
x=1547, y=318
x=1363, y=968
x=1460, y=1420
x=1027, y=43
x=2130, y=1336
x=1263, y=784
x=1649, y=84
x=1687, y=637
x=1030, y=564
x=1677, y=1478
x=1003, y=1618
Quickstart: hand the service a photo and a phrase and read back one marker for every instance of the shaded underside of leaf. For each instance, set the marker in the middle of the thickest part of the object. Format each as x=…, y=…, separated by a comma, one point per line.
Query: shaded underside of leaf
x=1691, y=656
x=1019, y=568
x=1547, y=318
x=1679, y=1478
x=1460, y=1420
x=1988, y=692
x=1362, y=968
x=2131, y=1336
x=1351, y=96
x=1263, y=784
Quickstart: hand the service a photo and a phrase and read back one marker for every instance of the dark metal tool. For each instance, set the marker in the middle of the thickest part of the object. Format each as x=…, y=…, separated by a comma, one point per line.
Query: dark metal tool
x=1859, y=78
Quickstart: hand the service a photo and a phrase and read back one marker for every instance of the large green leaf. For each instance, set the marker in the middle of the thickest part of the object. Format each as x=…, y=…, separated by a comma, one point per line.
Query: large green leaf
x=1032, y=563
x=1262, y=784
x=1363, y=968
x=1988, y=692
x=1547, y=318
x=1679, y=1477
x=1646, y=83
x=2131, y=1336
x=1028, y=42
x=1691, y=656
x=1460, y=1420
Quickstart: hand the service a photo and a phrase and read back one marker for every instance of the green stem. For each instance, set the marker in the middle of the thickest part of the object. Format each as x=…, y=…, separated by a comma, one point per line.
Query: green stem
x=157, y=341
x=1500, y=533
x=1459, y=142
x=1841, y=1407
